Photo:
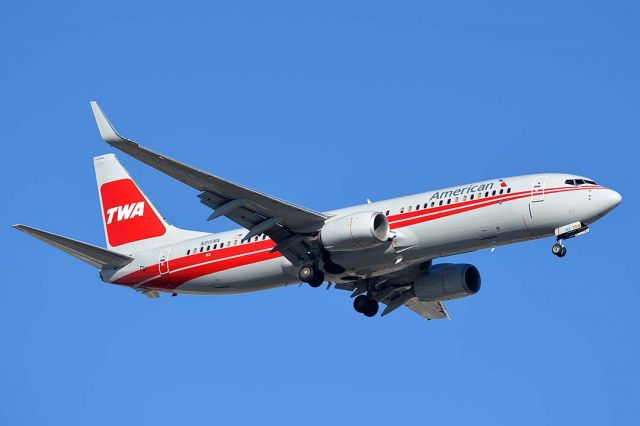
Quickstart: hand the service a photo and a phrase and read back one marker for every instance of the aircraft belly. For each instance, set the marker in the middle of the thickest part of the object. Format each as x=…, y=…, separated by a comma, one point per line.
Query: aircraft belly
x=258, y=276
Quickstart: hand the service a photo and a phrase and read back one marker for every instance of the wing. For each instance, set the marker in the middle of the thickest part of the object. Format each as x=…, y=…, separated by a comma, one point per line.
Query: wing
x=93, y=255
x=289, y=225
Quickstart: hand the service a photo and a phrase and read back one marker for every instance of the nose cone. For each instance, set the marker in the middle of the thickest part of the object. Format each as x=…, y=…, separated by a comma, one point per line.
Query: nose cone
x=611, y=199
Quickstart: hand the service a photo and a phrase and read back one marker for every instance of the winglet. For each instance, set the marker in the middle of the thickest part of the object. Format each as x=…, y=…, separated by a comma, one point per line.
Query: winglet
x=107, y=132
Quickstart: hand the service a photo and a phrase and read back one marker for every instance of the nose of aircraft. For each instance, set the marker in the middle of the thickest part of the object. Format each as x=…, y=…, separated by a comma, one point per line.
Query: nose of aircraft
x=611, y=199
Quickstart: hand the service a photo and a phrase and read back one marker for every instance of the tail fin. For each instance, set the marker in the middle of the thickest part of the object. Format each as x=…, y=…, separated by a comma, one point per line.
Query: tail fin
x=131, y=222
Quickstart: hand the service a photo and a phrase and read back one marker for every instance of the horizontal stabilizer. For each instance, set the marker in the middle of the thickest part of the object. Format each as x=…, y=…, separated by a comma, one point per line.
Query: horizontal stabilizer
x=93, y=255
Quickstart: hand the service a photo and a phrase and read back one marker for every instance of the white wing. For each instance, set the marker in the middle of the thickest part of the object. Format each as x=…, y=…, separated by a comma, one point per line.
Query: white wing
x=285, y=223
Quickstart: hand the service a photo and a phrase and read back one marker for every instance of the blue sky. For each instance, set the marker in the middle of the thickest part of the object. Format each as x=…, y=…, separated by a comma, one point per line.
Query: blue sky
x=324, y=105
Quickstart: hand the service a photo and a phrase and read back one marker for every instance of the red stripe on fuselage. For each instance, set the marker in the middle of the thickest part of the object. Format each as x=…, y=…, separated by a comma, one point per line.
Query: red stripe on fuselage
x=429, y=214
x=193, y=260
x=187, y=268
x=176, y=278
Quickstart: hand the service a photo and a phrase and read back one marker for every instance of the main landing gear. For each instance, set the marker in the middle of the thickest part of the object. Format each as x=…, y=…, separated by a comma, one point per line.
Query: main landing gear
x=311, y=275
x=558, y=249
x=366, y=305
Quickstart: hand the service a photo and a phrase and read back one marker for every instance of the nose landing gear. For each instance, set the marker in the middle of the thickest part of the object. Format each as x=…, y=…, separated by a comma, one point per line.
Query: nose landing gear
x=565, y=232
x=558, y=249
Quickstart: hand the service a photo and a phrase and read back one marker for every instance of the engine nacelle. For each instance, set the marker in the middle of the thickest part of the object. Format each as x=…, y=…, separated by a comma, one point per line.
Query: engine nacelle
x=355, y=231
x=447, y=281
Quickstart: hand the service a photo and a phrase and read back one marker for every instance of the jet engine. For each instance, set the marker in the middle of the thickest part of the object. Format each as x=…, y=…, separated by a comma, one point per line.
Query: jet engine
x=355, y=231
x=447, y=281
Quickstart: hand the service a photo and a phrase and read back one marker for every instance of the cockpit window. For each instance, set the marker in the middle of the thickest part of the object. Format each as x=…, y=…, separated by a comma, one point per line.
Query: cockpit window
x=579, y=182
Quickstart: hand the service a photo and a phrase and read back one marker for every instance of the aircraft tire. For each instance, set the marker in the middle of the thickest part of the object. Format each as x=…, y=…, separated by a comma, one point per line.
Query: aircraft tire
x=360, y=303
x=557, y=249
x=371, y=308
x=318, y=278
x=305, y=273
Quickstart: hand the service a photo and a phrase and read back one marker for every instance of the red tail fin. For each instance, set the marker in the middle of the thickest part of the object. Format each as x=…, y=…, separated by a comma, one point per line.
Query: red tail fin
x=128, y=216
x=131, y=222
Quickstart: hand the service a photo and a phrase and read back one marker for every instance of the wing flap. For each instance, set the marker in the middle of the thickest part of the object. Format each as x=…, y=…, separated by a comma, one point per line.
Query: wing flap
x=93, y=255
x=427, y=310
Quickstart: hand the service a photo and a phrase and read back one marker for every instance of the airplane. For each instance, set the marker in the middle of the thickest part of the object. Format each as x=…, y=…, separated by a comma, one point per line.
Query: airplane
x=382, y=252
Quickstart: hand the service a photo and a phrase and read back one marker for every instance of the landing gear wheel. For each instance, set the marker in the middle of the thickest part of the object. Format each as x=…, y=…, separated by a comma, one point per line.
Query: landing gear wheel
x=371, y=309
x=311, y=275
x=559, y=250
x=318, y=278
x=360, y=303
x=563, y=253
x=366, y=305
x=305, y=273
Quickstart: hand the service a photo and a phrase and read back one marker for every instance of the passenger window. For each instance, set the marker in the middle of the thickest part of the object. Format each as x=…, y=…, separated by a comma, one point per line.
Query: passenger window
x=464, y=198
x=426, y=205
x=456, y=200
x=386, y=213
x=208, y=248
x=401, y=209
x=494, y=192
x=508, y=190
x=201, y=249
x=188, y=252
x=409, y=208
x=433, y=203
x=501, y=191
x=471, y=198
x=486, y=194
x=221, y=245
x=417, y=206
x=449, y=201
x=264, y=237
x=440, y=202
x=215, y=246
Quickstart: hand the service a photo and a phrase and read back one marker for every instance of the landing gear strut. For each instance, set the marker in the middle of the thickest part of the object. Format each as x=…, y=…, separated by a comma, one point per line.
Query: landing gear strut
x=558, y=249
x=311, y=275
x=366, y=305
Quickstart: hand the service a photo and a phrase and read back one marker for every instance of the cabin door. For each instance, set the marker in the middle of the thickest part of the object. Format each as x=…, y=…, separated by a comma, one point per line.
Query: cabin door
x=163, y=262
x=538, y=188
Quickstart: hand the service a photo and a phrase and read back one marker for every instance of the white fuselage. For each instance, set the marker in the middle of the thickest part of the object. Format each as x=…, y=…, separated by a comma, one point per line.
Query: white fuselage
x=424, y=226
